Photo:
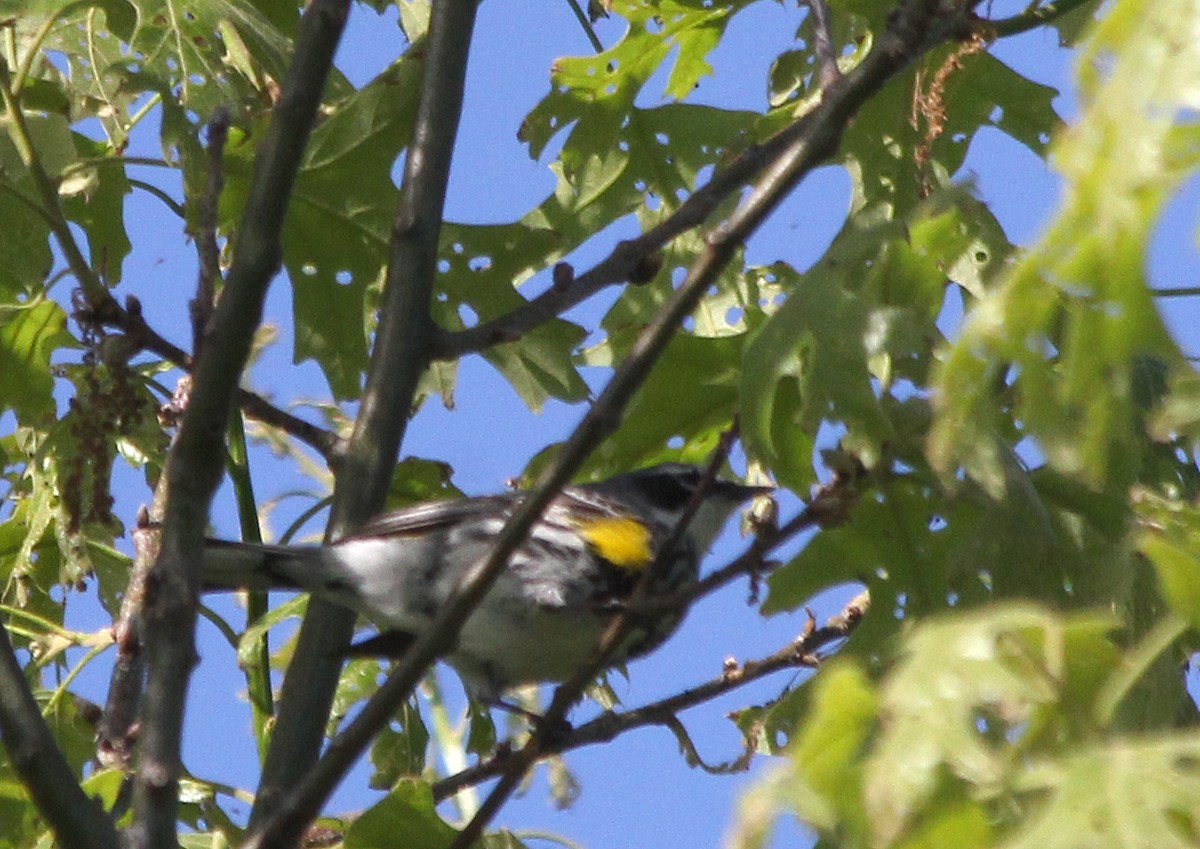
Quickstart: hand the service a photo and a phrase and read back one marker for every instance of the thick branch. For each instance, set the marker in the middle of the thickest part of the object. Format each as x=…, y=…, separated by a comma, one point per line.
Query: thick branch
x=195, y=463
x=399, y=358
x=117, y=731
x=77, y=821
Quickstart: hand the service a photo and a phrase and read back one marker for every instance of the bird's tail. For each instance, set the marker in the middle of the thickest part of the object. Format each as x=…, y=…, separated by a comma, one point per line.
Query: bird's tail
x=248, y=566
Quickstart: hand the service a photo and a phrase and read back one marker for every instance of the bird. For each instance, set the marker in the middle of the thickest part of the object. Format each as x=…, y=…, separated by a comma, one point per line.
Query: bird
x=544, y=615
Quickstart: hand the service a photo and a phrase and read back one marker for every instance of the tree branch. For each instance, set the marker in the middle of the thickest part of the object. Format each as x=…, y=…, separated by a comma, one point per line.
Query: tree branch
x=399, y=358
x=810, y=141
x=827, y=66
x=608, y=726
x=206, y=236
x=1032, y=18
x=624, y=261
x=793, y=153
x=77, y=821
x=195, y=464
x=129, y=320
x=117, y=731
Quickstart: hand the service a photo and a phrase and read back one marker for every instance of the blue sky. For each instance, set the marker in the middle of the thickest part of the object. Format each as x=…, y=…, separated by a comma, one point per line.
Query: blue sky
x=636, y=791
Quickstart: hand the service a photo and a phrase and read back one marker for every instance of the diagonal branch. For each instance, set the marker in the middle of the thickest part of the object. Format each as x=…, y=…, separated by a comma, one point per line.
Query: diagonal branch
x=805, y=651
x=399, y=357
x=630, y=257
x=195, y=464
x=810, y=141
x=783, y=161
x=77, y=821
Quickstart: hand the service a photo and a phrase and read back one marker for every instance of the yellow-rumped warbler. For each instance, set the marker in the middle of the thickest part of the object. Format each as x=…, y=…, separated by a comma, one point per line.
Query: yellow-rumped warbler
x=545, y=613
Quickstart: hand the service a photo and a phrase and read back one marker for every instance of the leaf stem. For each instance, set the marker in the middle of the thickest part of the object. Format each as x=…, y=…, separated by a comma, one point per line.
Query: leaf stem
x=1034, y=17
x=586, y=25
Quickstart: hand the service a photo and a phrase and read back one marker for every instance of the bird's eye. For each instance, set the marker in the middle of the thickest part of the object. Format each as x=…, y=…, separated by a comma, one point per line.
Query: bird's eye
x=671, y=490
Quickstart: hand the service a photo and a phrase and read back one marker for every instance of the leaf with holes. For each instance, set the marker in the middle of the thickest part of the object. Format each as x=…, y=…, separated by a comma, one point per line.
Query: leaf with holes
x=688, y=400
x=1072, y=323
x=957, y=703
x=338, y=226
x=808, y=364
x=186, y=48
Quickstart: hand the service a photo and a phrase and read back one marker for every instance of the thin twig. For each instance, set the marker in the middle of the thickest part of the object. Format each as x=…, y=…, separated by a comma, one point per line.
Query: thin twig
x=586, y=25
x=194, y=466
x=106, y=311
x=805, y=651
x=206, y=234
x=827, y=66
x=1032, y=18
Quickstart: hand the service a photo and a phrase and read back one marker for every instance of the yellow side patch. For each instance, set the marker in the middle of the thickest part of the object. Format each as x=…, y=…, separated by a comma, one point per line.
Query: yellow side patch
x=625, y=543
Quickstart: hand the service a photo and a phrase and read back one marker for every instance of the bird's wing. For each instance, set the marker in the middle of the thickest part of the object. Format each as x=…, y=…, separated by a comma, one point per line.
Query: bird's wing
x=422, y=518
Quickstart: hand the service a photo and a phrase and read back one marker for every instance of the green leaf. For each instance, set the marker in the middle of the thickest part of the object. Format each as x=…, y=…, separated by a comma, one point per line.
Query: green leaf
x=808, y=364
x=481, y=266
x=984, y=92
x=99, y=208
x=199, y=44
x=618, y=158
x=29, y=335
x=403, y=819
x=828, y=751
x=251, y=641
x=22, y=824
x=1169, y=535
x=688, y=400
x=25, y=258
x=399, y=750
x=1125, y=794
x=339, y=223
x=821, y=780
x=1072, y=321
x=964, y=685
x=539, y=367
x=981, y=675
